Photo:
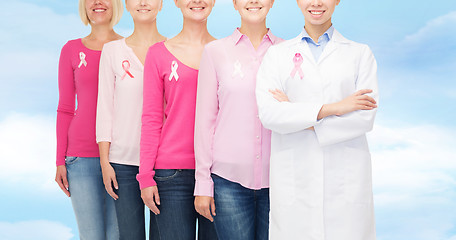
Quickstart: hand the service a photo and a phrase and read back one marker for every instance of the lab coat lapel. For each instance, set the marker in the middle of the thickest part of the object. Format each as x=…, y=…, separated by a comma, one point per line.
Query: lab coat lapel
x=329, y=49
x=337, y=38
x=304, y=47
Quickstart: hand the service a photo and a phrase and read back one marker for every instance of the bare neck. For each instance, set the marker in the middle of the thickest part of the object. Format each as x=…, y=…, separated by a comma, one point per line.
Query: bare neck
x=102, y=33
x=145, y=34
x=194, y=32
x=255, y=32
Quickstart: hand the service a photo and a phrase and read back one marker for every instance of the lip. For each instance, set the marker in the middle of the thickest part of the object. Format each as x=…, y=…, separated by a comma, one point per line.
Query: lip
x=99, y=10
x=143, y=10
x=197, y=8
x=316, y=13
x=254, y=9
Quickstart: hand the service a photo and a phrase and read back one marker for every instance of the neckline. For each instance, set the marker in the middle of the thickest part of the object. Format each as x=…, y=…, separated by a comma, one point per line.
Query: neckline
x=84, y=46
x=179, y=61
x=130, y=50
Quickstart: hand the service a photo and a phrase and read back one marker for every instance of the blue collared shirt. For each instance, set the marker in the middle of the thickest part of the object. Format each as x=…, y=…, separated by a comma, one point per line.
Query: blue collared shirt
x=317, y=48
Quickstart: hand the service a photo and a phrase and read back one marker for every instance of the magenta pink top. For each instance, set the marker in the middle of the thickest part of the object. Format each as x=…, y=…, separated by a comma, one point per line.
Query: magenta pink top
x=78, y=81
x=230, y=140
x=168, y=117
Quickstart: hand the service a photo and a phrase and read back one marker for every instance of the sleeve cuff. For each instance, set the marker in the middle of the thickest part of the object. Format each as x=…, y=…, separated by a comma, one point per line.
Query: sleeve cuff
x=60, y=162
x=204, y=188
x=146, y=180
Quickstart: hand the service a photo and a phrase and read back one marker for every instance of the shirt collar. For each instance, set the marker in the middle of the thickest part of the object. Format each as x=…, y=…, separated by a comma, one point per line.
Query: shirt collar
x=237, y=36
x=328, y=34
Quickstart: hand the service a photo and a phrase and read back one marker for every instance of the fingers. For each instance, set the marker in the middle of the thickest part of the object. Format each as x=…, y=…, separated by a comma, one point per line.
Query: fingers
x=279, y=95
x=114, y=182
x=151, y=198
x=63, y=185
x=367, y=103
x=154, y=202
x=62, y=181
x=213, y=207
x=367, y=98
x=151, y=205
x=110, y=190
x=363, y=91
x=205, y=211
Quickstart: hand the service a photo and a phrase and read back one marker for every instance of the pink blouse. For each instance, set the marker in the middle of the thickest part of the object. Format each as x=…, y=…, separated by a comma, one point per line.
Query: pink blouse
x=229, y=138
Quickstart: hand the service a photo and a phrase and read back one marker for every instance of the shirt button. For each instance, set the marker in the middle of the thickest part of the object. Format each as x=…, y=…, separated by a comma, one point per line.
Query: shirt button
x=258, y=137
x=258, y=156
x=258, y=116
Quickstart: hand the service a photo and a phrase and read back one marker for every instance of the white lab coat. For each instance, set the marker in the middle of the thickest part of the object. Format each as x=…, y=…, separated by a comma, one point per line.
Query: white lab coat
x=321, y=181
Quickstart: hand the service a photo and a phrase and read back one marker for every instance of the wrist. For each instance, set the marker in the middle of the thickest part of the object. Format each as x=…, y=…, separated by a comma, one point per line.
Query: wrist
x=104, y=163
x=327, y=110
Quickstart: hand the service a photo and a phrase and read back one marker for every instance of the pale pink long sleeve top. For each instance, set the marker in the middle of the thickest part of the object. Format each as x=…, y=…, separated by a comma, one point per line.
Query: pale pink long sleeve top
x=78, y=81
x=166, y=132
x=230, y=140
x=119, y=107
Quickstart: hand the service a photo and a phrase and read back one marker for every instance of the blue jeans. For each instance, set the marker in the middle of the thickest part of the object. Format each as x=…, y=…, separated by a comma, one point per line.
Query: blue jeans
x=130, y=206
x=241, y=213
x=178, y=217
x=93, y=207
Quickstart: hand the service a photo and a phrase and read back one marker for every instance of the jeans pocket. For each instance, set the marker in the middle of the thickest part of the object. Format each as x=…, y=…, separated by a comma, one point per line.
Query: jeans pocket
x=165, y=174
x=71, y=160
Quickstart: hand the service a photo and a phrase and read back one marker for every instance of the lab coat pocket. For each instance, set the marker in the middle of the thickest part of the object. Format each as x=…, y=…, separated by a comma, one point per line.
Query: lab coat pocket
x=282, y=178
x=358, y=176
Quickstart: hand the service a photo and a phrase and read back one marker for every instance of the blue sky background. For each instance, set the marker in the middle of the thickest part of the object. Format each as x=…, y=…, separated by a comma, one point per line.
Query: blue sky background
x=412, y=145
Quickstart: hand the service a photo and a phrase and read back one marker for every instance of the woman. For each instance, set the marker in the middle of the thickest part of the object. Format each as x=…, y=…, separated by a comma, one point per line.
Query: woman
x=321, y=184
x=231, y=146
x=78, y=163
x=119, y=116
x=167, y=162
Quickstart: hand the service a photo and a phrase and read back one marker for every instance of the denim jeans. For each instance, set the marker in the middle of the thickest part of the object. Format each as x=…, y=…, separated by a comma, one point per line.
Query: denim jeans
x=93, y=207
x=178, y=217
x=130, y=206
x=241, y=213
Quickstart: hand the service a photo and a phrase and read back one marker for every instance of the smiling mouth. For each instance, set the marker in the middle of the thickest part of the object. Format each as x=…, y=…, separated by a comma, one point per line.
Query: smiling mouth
x=254, y=9
x=316, y=12
x=143, y=10
x=197, y=8
x=99, y=10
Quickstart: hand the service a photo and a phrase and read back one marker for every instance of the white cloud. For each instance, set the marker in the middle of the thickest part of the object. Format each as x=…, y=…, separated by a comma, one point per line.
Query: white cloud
x=431, y=48
x=37, y=230
x=414, y=174
x=442, y=24
x=27, y=152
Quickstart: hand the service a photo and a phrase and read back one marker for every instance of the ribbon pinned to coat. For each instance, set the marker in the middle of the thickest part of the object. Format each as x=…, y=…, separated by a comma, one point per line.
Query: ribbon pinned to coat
x=297, y=60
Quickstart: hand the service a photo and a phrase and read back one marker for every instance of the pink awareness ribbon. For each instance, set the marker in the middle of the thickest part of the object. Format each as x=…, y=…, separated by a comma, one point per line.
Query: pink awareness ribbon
x=126, y=68
x=297, y=60
x=82, y=57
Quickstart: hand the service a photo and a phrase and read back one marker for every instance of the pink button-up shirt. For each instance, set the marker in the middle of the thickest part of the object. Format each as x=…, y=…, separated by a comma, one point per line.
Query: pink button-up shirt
x=229, y=138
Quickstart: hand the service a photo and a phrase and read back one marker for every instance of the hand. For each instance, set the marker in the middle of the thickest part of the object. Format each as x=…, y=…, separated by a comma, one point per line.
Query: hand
x=356, y=101
x=61, y=179
x=205, y=206
x=151, y=198
x=109, y=179
x=279, y=95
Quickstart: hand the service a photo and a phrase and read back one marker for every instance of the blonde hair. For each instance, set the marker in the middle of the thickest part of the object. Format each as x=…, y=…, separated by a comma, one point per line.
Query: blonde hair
x=117, y=11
